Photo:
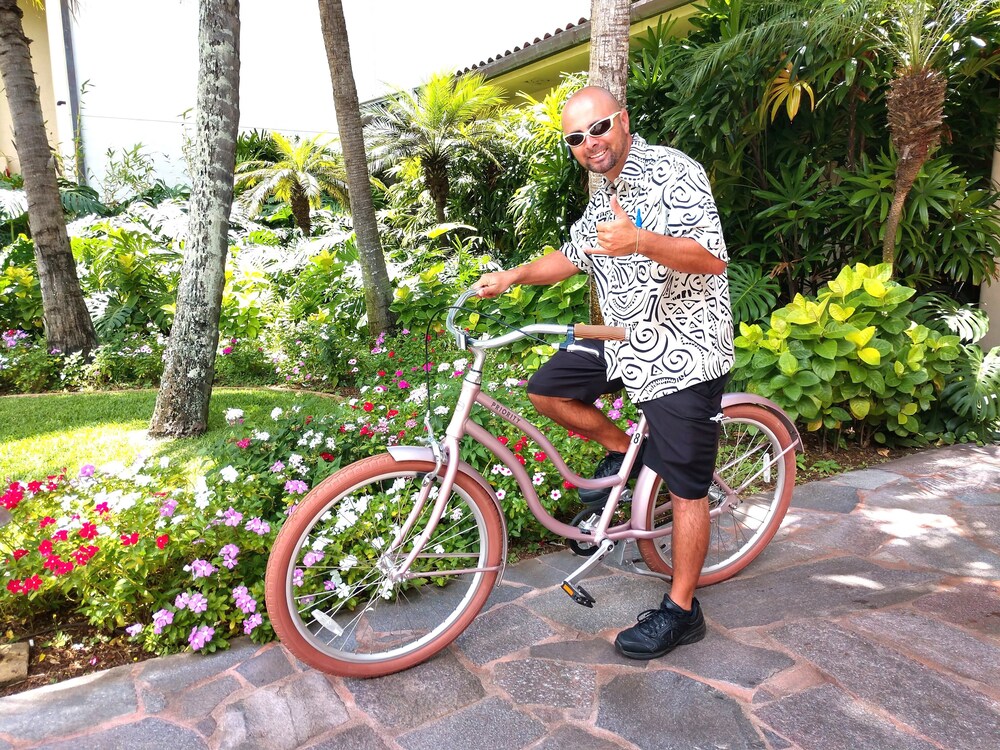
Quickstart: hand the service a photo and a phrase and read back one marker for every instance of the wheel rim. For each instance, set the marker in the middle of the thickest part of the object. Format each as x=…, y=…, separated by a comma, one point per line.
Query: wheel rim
x=743, y=498
x=345, y=605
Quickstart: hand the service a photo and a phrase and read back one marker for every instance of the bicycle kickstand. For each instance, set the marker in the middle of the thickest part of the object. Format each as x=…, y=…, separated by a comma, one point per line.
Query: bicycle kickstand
x=577, y=592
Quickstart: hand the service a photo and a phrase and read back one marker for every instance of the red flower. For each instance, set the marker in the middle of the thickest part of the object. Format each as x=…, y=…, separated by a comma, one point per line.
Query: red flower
x=504, y=440
x=47, y=521
x=381, y=373
x=309, y=419
x=392, y=354
x=402, y=434
x=33, y=487
x=569, y=485
x=61, y=536
x=391, y=413
x=19, y=553
x=520, y=458
x=368, y=406
x=326, y=456
x=33, y=583
x=51, y=486
x=343, y=428
x=540, y=456
x=130, y=539
x=89, y=531
x=14, y=586
x=162, y=541
x=45, y=548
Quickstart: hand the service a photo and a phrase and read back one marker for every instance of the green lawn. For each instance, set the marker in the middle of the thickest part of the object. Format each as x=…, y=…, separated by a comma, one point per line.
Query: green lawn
x=43, y=435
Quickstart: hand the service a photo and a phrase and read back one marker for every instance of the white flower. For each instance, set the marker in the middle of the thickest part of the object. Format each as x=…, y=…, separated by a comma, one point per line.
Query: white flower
x=501, y=494
x=348, y=562
x=276, y=412
x=344, y=591
x=229, y=474
x=457, y=513
x=538, y=478
x=142, y=480
x=233, y=414
x=258, y=435
x=555, y=494
x=444, y=367
x=441, y=410
x=164, y=462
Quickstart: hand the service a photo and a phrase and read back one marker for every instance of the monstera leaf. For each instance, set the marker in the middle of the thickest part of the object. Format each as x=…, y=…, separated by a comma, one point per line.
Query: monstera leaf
x=949, y=316
x=975, y=393
x=753, y=293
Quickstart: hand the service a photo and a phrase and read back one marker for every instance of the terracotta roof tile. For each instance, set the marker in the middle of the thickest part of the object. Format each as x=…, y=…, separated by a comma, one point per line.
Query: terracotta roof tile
x=525, y=45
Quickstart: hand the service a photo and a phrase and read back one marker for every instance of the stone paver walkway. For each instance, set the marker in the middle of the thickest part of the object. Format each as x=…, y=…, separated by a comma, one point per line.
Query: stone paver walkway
x=872, y=621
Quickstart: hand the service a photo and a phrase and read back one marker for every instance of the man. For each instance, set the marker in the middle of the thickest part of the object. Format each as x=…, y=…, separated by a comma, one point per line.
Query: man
x=652, y=239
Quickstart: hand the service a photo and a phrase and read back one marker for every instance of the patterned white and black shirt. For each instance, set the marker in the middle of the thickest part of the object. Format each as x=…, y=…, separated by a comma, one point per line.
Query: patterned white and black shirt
x=680, y=326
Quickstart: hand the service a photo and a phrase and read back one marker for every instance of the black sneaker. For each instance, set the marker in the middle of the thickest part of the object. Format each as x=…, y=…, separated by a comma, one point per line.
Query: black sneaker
x=660, y=631
x=611, y=464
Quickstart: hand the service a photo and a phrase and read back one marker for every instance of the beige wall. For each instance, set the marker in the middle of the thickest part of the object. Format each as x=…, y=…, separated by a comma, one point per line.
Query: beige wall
x=36, y=30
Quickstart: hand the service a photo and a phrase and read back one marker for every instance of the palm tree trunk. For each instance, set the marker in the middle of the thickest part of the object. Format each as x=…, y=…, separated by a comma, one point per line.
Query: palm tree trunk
x=374, y=276
x=68, y=326
x=436, y=179
x=609, y=36
x=186, y=387
x=300, y=209
x=916, y=111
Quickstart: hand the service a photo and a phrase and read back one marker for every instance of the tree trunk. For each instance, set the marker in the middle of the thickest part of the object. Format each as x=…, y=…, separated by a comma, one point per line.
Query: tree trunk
x=182, y=403
x=68, y=326
x=300, y=209
x=609, y=37
x=436, y=180
x=374, y=276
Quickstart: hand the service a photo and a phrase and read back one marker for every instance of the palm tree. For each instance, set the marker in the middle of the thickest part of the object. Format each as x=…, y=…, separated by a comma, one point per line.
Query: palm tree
x=304, y=171
x=609, y=37
x=432, y=125
x=919, y=36
x=374, y=276
x=186, y=386
x=68, y=326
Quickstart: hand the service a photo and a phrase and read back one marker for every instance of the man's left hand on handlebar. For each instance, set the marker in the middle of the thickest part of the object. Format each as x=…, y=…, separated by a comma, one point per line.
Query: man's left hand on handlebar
x=492, y=284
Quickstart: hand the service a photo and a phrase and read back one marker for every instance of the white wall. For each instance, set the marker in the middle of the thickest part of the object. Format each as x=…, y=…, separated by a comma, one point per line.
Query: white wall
x=139, y=61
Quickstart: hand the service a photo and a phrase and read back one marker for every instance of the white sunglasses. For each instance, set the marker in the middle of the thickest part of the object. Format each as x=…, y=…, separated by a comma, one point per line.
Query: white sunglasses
x=599, y=128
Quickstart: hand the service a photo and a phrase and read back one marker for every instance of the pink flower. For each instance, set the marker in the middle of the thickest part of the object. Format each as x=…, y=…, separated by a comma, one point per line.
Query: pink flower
x=232, y=517
x=403, y=384
x=202, y=568
x=257, y=526
x=252, y=622
x=168, y=508
x=227, y=350
x=296, y=487
x=200, y=636
x=87, y=470
x=244, y=443
x=276, y=467
x=161, y=619
x=101, y=508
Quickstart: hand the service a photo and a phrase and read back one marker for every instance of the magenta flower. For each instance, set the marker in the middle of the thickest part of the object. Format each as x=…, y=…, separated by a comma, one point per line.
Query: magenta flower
x=161, y=619
x=252, y=622
x=403, y=384
x=200, y=636
x=87, y=470
x=257, y=526
x=244, y=443
x=229, y=553
x=296, y=487
x=202, y=568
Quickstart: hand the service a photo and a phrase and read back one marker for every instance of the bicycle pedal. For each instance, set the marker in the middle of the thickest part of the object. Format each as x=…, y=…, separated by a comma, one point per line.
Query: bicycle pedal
x=578, y=594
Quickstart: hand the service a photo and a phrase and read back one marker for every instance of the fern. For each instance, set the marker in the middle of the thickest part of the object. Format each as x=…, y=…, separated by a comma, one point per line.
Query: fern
x=753, y=294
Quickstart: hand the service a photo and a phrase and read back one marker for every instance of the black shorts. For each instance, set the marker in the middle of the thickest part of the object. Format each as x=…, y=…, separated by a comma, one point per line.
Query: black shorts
x=683, y=426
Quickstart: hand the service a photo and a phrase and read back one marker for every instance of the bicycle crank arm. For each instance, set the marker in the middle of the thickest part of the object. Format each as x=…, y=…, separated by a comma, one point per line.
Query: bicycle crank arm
x=575, y=591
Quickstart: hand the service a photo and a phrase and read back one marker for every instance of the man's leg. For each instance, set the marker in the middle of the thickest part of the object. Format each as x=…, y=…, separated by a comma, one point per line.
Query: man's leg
x=689, y=543
x=582, y=418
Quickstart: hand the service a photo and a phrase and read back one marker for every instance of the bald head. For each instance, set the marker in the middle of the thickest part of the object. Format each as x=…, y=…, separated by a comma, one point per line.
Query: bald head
x=605, y=152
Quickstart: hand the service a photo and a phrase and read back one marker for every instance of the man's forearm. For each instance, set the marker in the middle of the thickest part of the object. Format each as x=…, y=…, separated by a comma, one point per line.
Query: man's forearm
x=679, y=253
x=549, y=269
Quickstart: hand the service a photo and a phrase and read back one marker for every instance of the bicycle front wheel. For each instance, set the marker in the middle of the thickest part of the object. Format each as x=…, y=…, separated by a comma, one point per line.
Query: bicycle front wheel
x=334, y=591
x=748, y=498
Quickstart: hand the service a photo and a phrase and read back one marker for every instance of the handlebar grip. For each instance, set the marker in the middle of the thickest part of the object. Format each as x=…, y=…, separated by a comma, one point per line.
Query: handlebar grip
x=613, y=333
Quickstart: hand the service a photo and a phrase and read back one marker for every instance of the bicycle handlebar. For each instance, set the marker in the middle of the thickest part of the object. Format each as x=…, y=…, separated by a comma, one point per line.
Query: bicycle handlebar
x=578, y=331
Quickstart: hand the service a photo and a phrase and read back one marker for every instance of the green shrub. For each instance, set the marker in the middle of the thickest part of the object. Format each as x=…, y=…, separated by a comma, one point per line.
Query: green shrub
x=26, y=365
x=134, y=360
x=851, y=358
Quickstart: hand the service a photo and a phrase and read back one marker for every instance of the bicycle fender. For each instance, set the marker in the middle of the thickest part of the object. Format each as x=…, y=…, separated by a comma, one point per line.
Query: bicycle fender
x=735, y=399
x=423, y=453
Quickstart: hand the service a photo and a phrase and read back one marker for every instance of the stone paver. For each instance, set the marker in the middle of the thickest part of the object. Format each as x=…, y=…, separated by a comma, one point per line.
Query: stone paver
x=871, y=621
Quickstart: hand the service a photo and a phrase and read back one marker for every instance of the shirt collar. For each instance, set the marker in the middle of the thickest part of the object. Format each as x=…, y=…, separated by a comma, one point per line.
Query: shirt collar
x=633, y=171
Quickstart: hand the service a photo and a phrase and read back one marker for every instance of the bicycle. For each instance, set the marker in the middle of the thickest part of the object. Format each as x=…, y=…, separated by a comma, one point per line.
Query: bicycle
x=387, y=561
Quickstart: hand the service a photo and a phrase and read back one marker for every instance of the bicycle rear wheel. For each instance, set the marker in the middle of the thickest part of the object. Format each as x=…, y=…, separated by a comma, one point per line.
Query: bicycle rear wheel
x=329, y=590
x=747, y=500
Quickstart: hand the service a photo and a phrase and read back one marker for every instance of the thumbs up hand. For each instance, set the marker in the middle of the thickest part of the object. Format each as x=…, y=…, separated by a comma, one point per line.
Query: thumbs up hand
x=619, y=237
